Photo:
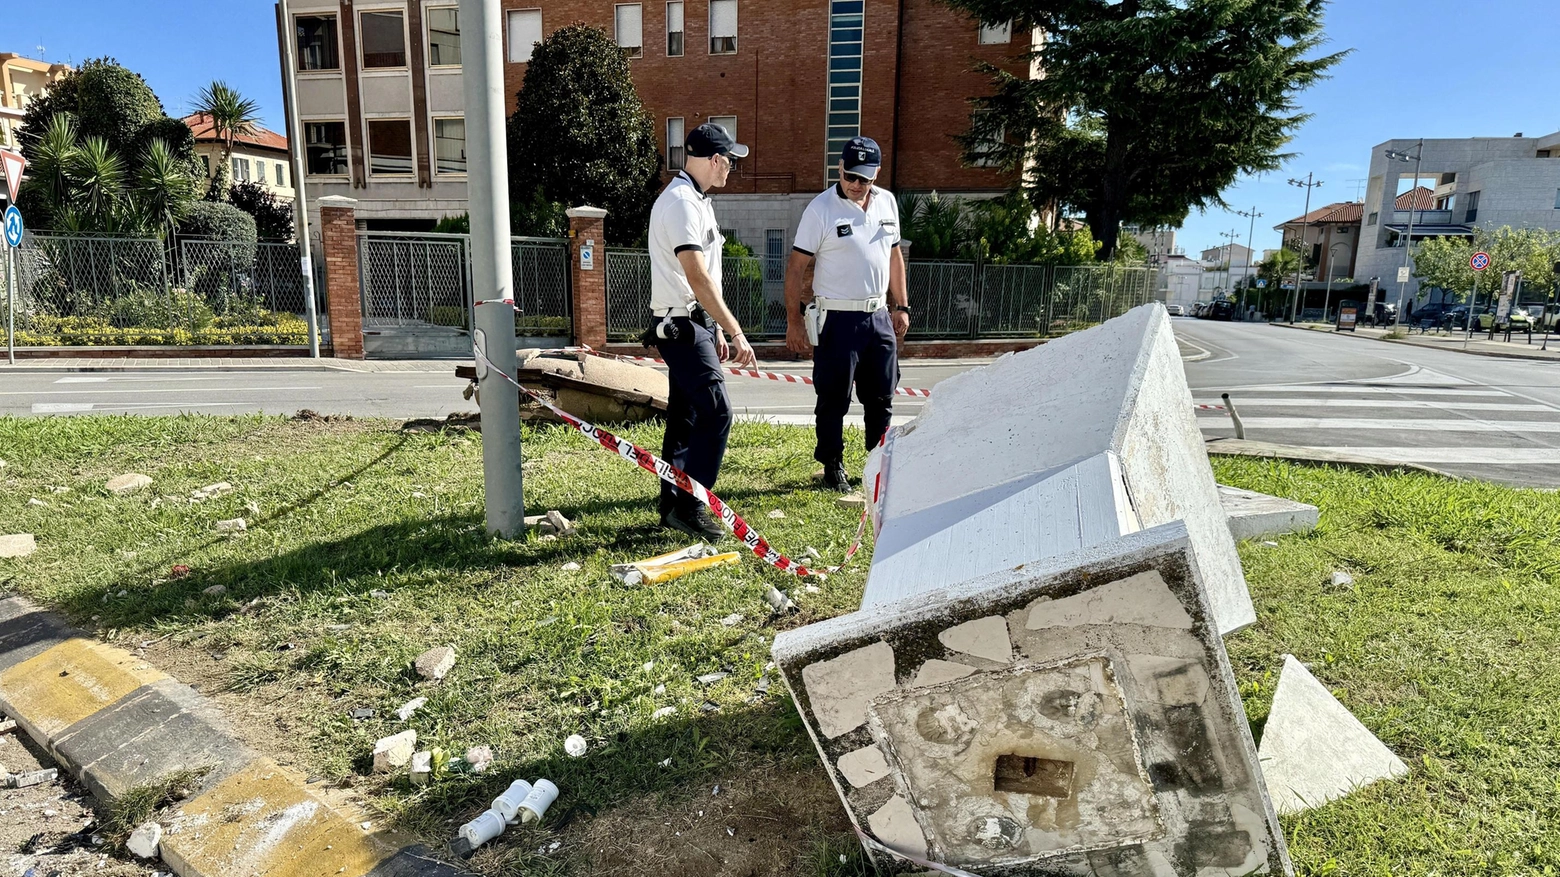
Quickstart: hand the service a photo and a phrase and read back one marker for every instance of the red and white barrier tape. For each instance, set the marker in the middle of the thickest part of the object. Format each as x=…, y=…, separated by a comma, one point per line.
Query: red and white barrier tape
x=1210, y=408
x=741, y=372
x=675, y=476
x=878, y=845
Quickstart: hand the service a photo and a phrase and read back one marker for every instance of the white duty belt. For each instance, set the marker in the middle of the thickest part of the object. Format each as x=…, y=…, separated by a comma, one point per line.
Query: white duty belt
x=671, y=312
x=858, y=305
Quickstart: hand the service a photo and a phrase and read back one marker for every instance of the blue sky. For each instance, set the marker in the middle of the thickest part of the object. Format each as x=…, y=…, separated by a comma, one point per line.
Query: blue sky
x=1431, y=68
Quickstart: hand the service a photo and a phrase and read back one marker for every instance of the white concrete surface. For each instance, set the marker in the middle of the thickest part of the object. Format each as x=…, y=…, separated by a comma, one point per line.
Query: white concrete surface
x=1259, y=516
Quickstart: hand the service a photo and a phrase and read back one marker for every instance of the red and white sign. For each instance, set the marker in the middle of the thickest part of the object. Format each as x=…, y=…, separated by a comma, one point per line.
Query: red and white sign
x=1480, y=261
x=13, y=164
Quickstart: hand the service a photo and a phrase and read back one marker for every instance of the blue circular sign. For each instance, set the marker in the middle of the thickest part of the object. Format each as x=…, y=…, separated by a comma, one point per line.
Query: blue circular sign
x=1480, y=261
x=13, y=226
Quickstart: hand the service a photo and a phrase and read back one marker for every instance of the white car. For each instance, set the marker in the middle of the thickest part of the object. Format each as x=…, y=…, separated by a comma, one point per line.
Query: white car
x=1175, y=310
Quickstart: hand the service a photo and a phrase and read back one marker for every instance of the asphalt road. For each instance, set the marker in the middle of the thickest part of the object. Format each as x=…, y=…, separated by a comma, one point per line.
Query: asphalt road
x=1476, y=416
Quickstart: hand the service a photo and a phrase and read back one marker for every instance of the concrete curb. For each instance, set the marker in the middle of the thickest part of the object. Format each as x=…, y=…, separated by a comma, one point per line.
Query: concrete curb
x=1526, y=357
x=1230, y=447
x=116, y=723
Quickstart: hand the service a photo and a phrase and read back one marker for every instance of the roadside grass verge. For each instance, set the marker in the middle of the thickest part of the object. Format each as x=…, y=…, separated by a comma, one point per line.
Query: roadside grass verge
x=365, y=547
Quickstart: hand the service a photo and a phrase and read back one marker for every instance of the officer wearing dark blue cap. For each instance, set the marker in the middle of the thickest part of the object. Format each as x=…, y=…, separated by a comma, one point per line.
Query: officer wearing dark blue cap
x=690, y=324
x=859, y=312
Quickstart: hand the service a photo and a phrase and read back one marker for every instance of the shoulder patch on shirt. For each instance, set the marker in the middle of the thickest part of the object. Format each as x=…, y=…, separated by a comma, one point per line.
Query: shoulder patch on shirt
x=843, y=230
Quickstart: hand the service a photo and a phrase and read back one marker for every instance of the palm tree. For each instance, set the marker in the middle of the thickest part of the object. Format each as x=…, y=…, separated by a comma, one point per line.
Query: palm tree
x=163, y=189
x=231, y=116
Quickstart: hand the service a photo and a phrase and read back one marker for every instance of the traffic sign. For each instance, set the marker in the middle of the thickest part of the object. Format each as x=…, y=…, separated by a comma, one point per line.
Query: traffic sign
x=13, y=226
x=1261, y=283
x=1403, y=274
x=1480, y=261
x=13, y=164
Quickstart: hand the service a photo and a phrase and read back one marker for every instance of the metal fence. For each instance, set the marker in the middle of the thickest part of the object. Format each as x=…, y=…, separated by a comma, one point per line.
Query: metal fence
x=757, y=305
x=101, y=290
x=423, y=279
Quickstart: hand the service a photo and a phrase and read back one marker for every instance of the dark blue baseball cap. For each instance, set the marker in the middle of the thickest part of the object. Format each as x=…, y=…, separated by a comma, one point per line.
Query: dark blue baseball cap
x=862, y=157
x=709, y=140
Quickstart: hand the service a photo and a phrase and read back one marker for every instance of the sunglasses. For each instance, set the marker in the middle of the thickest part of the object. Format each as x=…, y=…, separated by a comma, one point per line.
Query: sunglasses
x=855, y=179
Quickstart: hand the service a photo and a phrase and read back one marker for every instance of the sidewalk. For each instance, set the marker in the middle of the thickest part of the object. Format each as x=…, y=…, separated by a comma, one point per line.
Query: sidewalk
x=1517, y=348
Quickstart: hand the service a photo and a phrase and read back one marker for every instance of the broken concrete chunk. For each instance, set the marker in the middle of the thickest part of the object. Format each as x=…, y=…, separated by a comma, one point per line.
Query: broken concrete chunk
x=33, y=778
x=732, y=620
x=211, y=491
x=1341, y=579
x=144, y=840
x=777, y=515
x=851, y=501
x=17, y=545
x=37, y=503
x=128, y=483
x=894, y=825
x=712, y=678
x=935, y=671
x=778, y=602
x=215, y=591
x=561, y=526
x=1255, y=515
x=984, y=638
x=663, y=712
x=421, y=767
x=411, y=706
x=394, y=751
x=480, y=758
x=436, y=663
x=235, y=525
x=1313, y=749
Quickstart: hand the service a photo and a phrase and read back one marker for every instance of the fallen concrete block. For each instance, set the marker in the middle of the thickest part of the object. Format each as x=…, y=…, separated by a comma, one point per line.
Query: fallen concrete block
x=18, y=545
x=1313, y=749
x=127, y=483
x=1077, y=716
x=144, y=840
x=394, y=751
x=1066, y=446
x=436, y=663
x=32, y=778
x=561, y=526
x=1259, y=516
x=235, y=525
x=211, y=491
x=421, y=768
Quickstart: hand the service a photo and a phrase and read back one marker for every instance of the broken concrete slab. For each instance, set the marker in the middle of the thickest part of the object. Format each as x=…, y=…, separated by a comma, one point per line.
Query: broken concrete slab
x=17, y=545
x=436, y=663
x=394, y=751
x=1259, y=516
x=1066, y=446
x=1099, y=729
x=144, y=840
x=127, y=483
x=1313, y=749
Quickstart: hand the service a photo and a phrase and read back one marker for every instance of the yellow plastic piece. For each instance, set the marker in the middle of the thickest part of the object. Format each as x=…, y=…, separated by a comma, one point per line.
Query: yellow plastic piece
x=656, y=573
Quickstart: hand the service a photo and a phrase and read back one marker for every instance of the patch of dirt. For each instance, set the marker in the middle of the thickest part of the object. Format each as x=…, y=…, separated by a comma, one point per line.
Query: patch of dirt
x=761, y=824
x=308, y=415
x=46, y=830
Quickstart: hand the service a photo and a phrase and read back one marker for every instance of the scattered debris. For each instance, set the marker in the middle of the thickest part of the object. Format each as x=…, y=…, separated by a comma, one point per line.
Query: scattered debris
x=379, y=595
x=534, y=807
x=418, y=494
x=710, y=706
x=561, y=526
x=59, y=490
x=215, y=591
x=812, y=589
x=480, y=758
x=482, y=829
x=508, y=804
x=664, y=712
x=394, y=751
x=575, y=746
x=234, y=525
x=665, y=567
x=178, y=571
x=571, y=566
x=666, y=763
x=361, y=713
x=127, y=483
x=18, y=545
x=411, y=706
x=712, y=678
x=421, y=767
x=1269, y=544
x=7, y=726
x=32, y=778
x=777, y=515
x=37, y=503
x=732, y=620
x=716, y=792
x=813, y=553
x=778, y=601
x=649, y=665
x=1341, y=579
x=436, y=663
x=660, y=689
x=144, y=840
x=212, y=491
x=851, y=501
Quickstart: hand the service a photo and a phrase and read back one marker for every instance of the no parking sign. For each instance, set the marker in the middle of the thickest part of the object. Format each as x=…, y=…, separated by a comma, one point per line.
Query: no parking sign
x=1480, y=261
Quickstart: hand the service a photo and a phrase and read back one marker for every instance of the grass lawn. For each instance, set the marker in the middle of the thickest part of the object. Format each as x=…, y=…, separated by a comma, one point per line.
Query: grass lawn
x=365, y=547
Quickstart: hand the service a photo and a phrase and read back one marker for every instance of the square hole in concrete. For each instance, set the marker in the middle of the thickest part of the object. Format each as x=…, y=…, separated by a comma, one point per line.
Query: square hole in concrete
x=1033, y=775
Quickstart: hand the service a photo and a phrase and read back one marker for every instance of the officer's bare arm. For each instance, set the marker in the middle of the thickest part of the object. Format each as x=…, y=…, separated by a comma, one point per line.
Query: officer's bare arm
x=898, y=294
x=796, y=286
x=705, y=292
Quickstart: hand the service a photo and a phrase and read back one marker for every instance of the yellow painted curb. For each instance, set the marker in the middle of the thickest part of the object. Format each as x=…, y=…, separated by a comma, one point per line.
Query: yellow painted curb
x=71, y=681
x=262, y=822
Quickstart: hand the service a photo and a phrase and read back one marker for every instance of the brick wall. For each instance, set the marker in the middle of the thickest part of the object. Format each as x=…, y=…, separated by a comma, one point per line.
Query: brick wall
x=338, y=234
x=589, y=288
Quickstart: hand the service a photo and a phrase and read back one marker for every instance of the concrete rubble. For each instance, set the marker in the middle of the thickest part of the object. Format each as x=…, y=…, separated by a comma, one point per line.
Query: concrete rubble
x=1259, y=516
x=593, y=388
x=17, y=545
x=435, y=663
x=128, y=483
x=394, y=751
x=1072, y=444
x=143, y=842
x=1313, y=749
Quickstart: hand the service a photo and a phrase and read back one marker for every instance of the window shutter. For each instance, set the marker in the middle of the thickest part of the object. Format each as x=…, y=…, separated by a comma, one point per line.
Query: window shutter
x=674, y=17
x=525, y=31
x=723, y=18
x=630, y=25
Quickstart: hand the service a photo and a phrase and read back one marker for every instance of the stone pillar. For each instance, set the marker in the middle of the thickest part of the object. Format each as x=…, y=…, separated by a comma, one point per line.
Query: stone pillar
x=587, y=231
x=343, y=300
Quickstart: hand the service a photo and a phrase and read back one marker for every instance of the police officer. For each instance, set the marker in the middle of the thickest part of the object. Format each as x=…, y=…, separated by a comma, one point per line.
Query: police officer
x=690, y=324
x=859, y=312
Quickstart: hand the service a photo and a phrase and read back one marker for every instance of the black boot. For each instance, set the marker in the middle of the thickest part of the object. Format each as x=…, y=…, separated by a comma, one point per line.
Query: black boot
x=696, y=522
x=834, y=477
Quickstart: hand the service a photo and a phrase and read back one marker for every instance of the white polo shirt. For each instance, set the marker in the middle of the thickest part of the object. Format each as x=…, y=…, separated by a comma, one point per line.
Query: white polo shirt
x=683, y=218
x=853, y=246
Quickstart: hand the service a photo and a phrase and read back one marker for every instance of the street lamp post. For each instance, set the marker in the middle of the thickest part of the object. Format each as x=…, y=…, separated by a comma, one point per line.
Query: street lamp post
x=1309, y=184
x=1413, y=191
x=1252, y=214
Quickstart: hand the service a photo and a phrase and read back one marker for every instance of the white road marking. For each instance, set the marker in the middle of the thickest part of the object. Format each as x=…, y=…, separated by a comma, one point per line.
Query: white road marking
x=118, y=379
x=143, y=392
x=1292, y=423
x=1475, y=456
x=60, y=407
x=82, y=381
x=1257, y=402
x=1401, y=390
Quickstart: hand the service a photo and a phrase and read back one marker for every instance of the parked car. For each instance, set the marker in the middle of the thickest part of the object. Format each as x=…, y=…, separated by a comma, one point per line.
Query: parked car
x=1428, y=316
x=1455, y=318
x=1223, y=309
x=1385, y=315
x=1175, y=310
x=1518, y=319
x=1550, y=319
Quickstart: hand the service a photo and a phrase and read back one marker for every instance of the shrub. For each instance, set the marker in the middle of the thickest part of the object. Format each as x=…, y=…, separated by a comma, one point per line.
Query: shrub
x=273, y=217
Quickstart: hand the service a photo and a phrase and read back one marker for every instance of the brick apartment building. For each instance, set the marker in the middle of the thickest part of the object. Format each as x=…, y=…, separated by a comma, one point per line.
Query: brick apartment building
x=381, y=102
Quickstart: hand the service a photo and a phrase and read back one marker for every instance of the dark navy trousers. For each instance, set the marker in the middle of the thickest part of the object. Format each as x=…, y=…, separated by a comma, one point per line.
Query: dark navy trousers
x=854, y=349
x=698, y=413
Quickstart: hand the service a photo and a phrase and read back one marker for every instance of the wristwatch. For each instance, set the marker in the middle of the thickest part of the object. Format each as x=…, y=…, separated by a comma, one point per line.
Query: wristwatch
x=904, y=309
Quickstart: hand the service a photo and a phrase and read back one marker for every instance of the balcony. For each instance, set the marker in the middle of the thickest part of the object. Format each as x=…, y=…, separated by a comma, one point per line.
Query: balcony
x=1422, y=217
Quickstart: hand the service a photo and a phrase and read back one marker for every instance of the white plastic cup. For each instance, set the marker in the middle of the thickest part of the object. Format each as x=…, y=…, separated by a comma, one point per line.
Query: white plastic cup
x=509, y=802
x=483, y=829
x=535, y=805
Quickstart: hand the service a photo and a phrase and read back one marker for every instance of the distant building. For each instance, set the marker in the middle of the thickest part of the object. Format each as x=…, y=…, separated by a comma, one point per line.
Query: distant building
x=261, y=157
x=1158, y=241
x=1233, y=256
x=1481, y=182
x=22, y=80
x=1329, y=236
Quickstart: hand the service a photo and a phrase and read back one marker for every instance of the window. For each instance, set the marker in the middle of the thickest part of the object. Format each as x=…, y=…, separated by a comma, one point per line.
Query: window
x=281, y=175
x=1448, y=178
x=325, y=148
x=675, y=138
x=674, y=29
x=317, y=42
x=1543, y=153
x=260, y=172
x=984, y=154
x=723, y=27
x=205, y=165
x=729, y=123
x=525, y=31
x=384, y=40
x=844, y=121
x=444, y=37
x=240, y=170
x=1373, y=218
x=996, y=34
x=774, y=254
x=449, y=146
x=629, y=21
x=1473, y=207
x=389, y=147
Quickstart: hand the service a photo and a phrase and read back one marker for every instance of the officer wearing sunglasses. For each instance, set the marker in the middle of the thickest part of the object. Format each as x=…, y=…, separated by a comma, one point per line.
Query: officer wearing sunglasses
x=690, y=323
x=859, y=311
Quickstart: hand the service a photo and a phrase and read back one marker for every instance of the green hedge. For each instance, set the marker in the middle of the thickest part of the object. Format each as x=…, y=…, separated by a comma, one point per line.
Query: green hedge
x=271, y=328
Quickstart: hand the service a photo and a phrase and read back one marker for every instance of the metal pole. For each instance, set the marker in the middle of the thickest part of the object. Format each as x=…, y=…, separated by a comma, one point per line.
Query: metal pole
x=1408, y=245
x=492, y=270
x=1294, y=305
x=1472, y=301
x=10, y=306
x=295, y=145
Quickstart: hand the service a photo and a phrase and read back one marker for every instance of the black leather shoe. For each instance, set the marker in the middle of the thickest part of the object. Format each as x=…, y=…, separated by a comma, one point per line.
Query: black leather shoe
x=835, y=479
x=699, y=524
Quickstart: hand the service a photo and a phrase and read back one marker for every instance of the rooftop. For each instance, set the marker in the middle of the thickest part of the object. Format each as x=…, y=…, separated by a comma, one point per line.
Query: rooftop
x=200, y=124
